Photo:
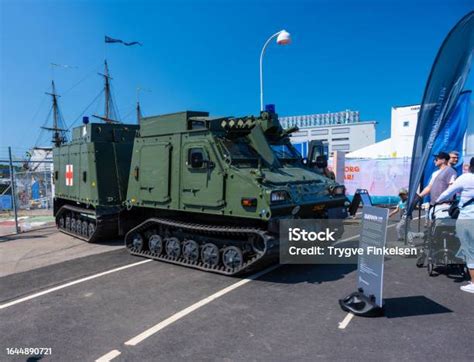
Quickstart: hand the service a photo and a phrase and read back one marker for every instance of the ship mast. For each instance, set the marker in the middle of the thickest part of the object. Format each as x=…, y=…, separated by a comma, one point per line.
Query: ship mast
x=58, y=133
x=107, y=90
x=139, y=112
x=138, y=108
x=108, y=97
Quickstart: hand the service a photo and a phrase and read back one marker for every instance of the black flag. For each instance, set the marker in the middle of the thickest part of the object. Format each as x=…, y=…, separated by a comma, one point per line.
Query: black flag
x=108, y=39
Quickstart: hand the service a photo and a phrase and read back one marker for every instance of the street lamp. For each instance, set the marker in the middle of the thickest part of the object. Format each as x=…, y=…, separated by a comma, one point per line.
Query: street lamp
x=283, y=38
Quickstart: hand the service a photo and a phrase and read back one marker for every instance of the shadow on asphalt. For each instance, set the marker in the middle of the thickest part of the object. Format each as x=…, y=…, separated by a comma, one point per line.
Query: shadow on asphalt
x=312, y=273
x=42, y=233
x=113, y=242
x=412, y=306
x=18, y=237
x=34, y=358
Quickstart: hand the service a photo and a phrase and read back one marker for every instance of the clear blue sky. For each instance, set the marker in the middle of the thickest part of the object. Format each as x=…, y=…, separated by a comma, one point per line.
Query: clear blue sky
x=203, y=55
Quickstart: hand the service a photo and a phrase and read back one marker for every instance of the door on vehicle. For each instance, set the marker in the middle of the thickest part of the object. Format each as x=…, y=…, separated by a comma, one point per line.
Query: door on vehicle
x=202, y=181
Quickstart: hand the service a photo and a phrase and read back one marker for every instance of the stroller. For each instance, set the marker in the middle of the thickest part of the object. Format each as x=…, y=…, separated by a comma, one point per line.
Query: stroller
x=441, y=244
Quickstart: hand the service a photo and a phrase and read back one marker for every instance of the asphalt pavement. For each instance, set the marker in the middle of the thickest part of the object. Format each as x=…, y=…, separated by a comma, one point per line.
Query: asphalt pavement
x=291, y=312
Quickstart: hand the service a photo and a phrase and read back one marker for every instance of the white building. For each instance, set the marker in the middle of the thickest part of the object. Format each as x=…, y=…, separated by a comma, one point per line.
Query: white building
x=403, y=129
x=342, y=130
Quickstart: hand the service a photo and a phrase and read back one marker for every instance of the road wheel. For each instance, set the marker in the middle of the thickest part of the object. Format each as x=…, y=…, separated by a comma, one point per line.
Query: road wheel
x=173, y=248
x=138, y=243
x=191, y=251
x=67, y=224
x=61, y=223
x=232, y=257
x=210, y=255
x=84, y=228
x=73, y=225
x=91, y=229
x=155, y=243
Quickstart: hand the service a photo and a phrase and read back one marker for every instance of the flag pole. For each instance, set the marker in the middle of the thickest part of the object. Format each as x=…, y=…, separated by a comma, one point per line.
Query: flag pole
x=105, y=49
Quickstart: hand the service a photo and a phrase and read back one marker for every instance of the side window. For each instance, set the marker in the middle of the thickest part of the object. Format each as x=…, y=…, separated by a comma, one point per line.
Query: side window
x=319, y=151
x=196, y=158
x=316, y=153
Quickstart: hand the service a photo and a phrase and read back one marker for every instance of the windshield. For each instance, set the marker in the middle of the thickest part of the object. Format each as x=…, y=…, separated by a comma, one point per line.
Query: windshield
x=285, y=152
x=240, y=151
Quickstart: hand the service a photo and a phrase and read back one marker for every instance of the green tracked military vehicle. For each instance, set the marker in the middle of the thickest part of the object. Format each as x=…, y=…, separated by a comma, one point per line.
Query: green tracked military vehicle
x=90, y=180
x=202, y=192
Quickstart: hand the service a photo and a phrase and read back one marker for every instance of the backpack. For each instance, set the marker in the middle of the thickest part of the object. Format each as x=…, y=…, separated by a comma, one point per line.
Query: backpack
x=454, y=208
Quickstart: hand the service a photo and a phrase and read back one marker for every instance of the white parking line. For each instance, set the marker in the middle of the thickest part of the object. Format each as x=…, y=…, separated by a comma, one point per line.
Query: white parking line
x=346, y=321
x=175, y=317
x=47, y=291
x=108, y=356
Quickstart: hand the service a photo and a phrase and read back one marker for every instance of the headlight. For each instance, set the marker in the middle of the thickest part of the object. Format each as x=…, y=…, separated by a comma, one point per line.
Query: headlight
x=279, y=196
x=338, y=190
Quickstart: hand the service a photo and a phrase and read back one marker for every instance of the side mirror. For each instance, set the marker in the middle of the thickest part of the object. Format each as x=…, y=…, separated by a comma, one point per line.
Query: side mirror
x=197, y=160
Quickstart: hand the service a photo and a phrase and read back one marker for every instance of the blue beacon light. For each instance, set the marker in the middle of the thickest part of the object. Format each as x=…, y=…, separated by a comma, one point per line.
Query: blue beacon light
x=270, y=108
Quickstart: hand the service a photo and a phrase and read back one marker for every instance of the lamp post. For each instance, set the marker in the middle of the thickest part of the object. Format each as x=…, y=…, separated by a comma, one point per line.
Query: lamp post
x=283, y=38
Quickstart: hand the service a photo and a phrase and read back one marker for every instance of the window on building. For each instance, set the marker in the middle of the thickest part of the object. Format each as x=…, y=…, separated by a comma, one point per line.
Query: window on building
x=341, y=139
x=319, y=132
x=406, y=123
x=340, y=130
x=340, y=147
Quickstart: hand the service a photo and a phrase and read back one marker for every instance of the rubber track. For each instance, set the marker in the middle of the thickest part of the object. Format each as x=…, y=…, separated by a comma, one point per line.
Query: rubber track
x=104, y=226
x=258, y=261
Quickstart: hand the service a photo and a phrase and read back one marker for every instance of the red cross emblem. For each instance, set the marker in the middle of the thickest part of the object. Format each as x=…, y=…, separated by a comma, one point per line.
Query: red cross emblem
x=69, y=175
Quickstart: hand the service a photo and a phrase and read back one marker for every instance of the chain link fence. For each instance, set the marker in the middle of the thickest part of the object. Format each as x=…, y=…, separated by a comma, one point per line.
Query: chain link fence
x=26, y=195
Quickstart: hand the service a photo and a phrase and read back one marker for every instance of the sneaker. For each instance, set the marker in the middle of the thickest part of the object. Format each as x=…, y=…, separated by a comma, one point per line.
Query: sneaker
x=468, y=288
